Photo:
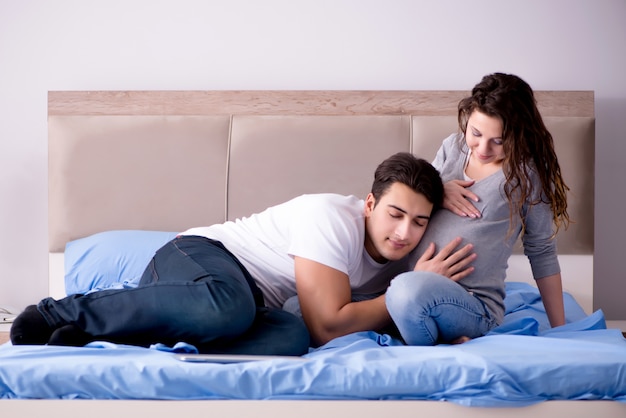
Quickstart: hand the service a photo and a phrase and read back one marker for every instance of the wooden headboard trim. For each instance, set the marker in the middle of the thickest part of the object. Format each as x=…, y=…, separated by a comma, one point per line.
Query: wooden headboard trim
x=293, y=102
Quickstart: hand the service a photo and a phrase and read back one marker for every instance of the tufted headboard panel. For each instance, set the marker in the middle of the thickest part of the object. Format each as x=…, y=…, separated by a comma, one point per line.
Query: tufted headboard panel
x=172, y=160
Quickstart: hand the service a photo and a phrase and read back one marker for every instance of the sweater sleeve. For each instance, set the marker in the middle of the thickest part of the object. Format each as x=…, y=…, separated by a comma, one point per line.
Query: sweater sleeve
x=443, y=152
x=540, y=246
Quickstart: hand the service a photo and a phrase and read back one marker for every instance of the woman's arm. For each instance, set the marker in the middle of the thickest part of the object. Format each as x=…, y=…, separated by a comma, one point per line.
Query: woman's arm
x=551, y=290
x=457, y=196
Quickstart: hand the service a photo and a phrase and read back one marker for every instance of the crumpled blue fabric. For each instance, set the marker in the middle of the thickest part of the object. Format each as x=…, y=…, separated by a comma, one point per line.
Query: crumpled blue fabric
x=518, y=364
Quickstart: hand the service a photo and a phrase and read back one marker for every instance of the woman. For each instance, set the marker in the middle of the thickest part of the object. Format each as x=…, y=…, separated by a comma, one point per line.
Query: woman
x=502, y=181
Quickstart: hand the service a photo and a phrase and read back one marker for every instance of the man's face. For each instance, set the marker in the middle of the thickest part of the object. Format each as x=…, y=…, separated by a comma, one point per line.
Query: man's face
x=395, y=225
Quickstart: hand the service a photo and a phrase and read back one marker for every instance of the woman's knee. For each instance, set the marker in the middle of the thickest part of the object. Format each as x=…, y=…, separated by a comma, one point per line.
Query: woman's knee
x=410, y=301
x=412, y=289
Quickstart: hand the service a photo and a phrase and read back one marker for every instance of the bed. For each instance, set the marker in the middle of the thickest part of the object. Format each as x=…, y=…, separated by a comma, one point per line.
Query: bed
x=125, y=168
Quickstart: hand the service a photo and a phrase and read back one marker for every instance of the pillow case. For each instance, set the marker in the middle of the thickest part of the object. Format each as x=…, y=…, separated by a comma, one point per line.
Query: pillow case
x=108, y=258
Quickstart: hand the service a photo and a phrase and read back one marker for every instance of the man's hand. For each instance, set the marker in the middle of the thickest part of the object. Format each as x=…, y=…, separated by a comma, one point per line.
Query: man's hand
x=457, y=198
x=450, y=263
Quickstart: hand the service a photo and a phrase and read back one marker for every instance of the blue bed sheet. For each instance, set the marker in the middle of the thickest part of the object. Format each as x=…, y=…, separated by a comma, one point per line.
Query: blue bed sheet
x=519, y=363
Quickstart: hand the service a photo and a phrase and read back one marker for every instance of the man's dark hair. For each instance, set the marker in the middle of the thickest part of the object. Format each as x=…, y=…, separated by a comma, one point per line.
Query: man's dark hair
x=416, y=173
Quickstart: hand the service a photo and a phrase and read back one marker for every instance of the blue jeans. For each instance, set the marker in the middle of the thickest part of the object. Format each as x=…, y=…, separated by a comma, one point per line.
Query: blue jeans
x=193, y=290
x=428, y=308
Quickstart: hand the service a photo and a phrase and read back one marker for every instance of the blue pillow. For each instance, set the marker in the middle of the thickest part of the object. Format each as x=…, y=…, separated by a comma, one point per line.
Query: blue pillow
x=108, y=258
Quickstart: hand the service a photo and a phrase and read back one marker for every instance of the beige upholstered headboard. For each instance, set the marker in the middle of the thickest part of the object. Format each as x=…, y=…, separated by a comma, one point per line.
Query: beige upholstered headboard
x=170, y=160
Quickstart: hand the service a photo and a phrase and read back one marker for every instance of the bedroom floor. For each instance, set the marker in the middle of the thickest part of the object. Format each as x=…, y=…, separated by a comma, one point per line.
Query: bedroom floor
x=4, y=333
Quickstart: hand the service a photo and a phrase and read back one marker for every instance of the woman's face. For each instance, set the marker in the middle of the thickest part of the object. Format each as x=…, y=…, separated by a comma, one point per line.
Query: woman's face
x=484, y=137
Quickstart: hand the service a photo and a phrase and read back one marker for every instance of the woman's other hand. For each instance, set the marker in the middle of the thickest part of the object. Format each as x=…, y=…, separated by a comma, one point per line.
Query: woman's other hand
x=457, y=198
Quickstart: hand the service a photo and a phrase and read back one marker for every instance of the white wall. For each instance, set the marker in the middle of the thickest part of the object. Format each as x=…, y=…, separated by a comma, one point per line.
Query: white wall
x=288, y=44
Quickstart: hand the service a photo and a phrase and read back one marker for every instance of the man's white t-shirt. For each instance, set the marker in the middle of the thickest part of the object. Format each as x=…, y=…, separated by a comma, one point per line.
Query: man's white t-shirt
x=326, y=228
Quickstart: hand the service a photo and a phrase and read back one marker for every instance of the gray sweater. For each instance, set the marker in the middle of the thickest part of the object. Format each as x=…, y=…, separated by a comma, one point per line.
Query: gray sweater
x=489, y=234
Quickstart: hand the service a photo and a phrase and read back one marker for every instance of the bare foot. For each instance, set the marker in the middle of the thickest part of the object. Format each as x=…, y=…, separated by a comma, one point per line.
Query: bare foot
x=461, y=340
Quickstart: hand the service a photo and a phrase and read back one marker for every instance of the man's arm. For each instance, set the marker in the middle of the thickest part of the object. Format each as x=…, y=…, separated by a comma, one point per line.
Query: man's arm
x=326, y=298
x=326, y=303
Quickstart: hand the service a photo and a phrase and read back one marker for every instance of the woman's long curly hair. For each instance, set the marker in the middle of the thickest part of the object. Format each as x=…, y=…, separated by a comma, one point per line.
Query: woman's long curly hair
x=528, y=145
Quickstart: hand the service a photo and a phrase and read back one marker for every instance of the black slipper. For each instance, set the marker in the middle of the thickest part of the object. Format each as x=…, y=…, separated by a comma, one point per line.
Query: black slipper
x=70, y=335
x=30, y=327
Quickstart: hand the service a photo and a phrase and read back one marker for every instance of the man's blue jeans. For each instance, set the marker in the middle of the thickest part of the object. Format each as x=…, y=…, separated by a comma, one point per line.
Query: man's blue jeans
x=428, y=308
x=194, y=290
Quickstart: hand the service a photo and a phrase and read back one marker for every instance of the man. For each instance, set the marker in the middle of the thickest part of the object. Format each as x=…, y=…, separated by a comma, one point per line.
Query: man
x=221, y=287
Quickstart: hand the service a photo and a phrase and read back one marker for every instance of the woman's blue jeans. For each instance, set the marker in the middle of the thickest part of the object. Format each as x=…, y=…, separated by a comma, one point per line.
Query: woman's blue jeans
x=428, y=309
x=195, y=291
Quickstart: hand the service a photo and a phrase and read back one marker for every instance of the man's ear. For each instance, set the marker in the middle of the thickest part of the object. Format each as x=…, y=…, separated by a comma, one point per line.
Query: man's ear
x=370, y=202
